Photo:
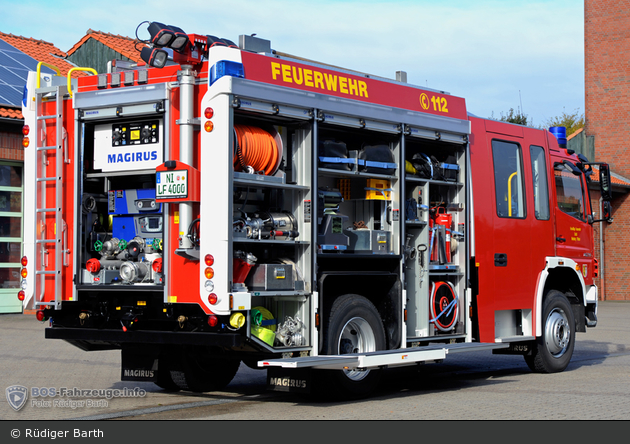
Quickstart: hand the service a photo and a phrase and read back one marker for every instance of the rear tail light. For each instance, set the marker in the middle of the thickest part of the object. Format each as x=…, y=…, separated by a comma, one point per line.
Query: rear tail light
x=40, y=315
x=25, y=130
x=213, y=298
x=24, y=261
x=21, y=295
x=213, y=321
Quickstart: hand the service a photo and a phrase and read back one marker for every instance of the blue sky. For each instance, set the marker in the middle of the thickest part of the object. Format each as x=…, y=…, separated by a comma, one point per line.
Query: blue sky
x=497, y=54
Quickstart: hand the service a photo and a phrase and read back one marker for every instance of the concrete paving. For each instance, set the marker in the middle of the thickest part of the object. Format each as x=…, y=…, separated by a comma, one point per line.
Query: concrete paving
x=479, y=385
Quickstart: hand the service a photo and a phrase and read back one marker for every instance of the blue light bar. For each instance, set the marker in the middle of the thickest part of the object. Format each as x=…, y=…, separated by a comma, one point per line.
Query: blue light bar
x=226, y=68
x=561, y=134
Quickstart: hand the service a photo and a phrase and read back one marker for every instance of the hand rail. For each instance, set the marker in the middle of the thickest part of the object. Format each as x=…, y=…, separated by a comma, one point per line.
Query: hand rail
x=93, y=71
x=39, y=69
x=510, y=193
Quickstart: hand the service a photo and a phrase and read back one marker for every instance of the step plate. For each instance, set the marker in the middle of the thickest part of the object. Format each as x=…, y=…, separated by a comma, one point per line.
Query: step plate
x=388, y=358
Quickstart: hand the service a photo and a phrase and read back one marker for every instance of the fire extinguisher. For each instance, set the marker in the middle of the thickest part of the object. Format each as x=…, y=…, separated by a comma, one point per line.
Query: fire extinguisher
x=440, y=225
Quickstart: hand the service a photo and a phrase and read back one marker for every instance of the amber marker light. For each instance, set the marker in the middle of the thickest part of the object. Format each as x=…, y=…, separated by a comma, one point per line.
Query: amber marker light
x=209, y=273
x=208, y=126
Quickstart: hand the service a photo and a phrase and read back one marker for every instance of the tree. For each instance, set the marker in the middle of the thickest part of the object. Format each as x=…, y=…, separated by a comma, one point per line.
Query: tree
x=513, y=117
x=572, y=122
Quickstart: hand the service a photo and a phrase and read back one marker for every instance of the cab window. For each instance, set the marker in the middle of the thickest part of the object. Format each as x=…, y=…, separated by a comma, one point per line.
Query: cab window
x=508, y=179
x=539, y=178
x=569, y=193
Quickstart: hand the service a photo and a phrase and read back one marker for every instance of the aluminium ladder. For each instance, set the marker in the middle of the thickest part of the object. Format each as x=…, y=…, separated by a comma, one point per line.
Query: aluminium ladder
x=50, y=180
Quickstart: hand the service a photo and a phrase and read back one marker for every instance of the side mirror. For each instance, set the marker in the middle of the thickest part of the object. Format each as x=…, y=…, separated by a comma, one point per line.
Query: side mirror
x=572, y=168
x=604, y=182
x=606, y=211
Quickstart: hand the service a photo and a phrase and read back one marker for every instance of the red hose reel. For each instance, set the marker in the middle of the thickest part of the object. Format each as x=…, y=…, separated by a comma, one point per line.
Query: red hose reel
x=444, y=305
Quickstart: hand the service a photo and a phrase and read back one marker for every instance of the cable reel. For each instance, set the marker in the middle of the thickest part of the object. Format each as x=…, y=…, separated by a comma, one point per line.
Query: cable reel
x=444, y=305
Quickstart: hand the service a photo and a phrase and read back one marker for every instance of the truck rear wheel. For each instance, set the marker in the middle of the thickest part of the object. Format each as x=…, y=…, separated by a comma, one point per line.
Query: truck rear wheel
x=202, y=369
x=354, y=326
x=554, y=349
x=165, y=369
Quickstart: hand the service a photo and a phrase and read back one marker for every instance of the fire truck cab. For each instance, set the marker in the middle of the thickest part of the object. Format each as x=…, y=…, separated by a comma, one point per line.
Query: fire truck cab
x=243, y=205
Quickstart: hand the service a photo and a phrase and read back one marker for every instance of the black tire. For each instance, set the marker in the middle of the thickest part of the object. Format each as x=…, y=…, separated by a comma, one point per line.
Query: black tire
x=354, y=326
x=202, y=369
x=554, y=348
x=166, y=365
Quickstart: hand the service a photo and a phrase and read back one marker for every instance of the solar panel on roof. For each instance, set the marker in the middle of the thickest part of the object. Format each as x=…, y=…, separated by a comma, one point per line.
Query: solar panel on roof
x=19, y=59
x=13, y=77
x=7, y=94
x=5, y=45
x=15, y=66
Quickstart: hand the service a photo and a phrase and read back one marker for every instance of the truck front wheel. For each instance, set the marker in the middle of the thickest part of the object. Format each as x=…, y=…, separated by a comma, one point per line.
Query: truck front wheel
x=354, y=326
x=554, y=349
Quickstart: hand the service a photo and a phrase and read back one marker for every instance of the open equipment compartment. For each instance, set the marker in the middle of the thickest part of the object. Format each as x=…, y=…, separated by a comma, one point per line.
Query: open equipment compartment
x=271, y=227
x=435, y=233
x=121, y=223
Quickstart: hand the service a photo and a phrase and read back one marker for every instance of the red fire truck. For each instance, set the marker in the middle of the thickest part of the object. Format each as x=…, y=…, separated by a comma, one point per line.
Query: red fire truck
x=229, y=203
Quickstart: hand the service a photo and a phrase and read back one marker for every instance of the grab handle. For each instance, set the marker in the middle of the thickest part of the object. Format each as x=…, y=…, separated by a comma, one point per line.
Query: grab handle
x=93, y=71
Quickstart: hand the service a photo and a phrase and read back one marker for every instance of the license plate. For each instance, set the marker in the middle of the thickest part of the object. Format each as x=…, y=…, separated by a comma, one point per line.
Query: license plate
x=171, y=184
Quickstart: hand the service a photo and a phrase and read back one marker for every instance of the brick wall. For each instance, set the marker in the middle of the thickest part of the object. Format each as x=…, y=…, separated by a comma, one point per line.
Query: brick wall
x=607, y=112
x=11, y=146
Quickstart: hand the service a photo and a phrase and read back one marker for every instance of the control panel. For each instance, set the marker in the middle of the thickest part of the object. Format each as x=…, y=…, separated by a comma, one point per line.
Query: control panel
x=136, y=133
x=129, y=146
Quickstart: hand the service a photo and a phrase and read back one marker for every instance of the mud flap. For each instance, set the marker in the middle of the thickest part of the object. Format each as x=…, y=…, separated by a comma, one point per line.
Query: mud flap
x=516, y=348
x=298, y=380
x=139, y=364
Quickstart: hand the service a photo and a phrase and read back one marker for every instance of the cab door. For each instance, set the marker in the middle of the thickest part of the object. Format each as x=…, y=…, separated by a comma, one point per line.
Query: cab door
x=512, y=223
x=574, y=237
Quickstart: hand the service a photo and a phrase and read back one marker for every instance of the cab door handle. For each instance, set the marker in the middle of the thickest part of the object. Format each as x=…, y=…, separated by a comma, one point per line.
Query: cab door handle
x=500, y=260
x=561, y=239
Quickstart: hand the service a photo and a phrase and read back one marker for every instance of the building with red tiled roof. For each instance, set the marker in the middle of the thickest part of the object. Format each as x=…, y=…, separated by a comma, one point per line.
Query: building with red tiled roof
x=96, y=49
x=41, y=51
x=607, y=122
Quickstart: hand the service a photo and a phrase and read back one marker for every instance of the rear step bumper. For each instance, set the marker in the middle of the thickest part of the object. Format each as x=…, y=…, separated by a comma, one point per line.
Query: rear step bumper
x=92, y=339
x=389, y=358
